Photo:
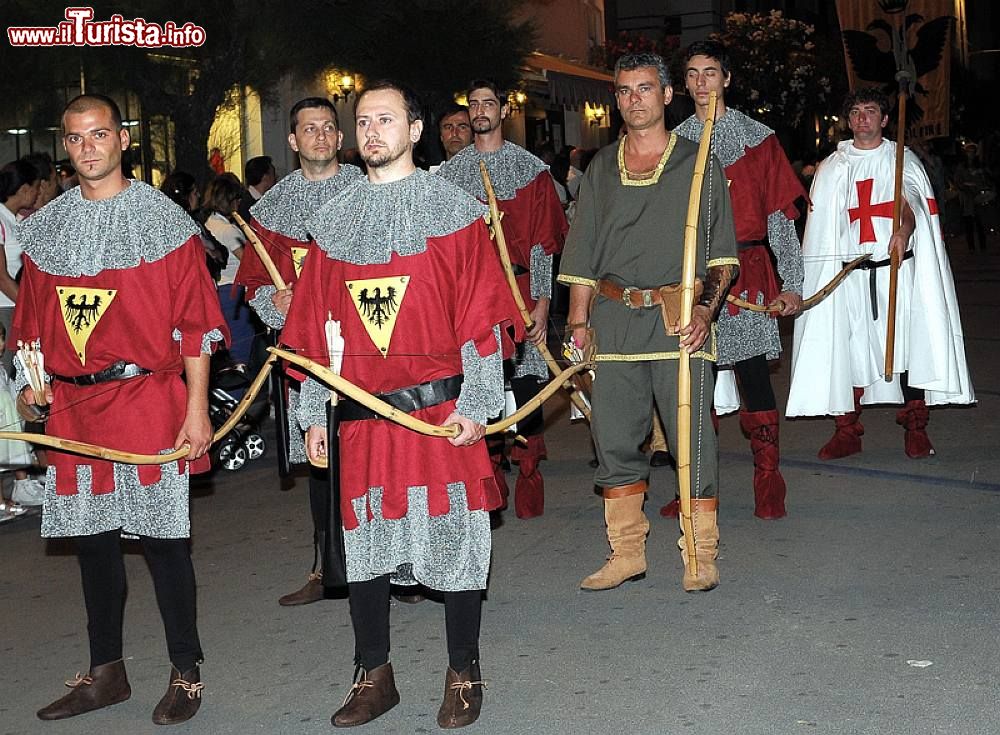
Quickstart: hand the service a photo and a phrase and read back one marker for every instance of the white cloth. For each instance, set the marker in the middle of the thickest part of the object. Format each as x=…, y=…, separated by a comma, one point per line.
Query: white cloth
x=727, y=396
x=11, y=248
x=230, y=236
x=837, y=343
x=13, y=452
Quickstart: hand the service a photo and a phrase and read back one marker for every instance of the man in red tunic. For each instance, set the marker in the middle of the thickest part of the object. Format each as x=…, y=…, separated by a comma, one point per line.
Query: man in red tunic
x=115, y=291
x=279, y=218
x=402, y=261
x=535, y=227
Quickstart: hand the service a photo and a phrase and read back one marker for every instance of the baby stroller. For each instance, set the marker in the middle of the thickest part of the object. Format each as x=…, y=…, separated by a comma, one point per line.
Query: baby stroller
x=244, y=443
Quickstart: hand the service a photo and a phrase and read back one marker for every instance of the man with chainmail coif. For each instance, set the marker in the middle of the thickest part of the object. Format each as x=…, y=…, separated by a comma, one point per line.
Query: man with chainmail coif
x=764, y=190
x=279, y=218
x=838, y=358
x=116, y=292
x=403, y=262
x=623, y=254
x=534, y=227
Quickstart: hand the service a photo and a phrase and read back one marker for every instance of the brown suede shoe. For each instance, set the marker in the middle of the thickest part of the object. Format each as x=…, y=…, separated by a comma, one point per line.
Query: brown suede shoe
x=312, y=591
x=370, y=697
x=103, y=686
x=463, y=698
x=182, y=699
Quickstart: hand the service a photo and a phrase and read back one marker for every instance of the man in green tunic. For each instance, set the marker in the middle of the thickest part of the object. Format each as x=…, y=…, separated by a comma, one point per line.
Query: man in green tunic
x=626, y=243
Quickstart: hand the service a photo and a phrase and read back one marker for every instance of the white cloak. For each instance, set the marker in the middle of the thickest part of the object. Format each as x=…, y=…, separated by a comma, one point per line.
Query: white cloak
x=837, y=343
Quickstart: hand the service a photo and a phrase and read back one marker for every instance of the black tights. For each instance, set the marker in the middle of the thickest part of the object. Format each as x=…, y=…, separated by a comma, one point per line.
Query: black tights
x=102, y=570
x=370, y=617
x=755, y=384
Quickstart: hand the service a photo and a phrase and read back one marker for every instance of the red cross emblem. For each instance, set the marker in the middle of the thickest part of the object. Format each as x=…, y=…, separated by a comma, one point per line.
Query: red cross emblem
x=866, y=211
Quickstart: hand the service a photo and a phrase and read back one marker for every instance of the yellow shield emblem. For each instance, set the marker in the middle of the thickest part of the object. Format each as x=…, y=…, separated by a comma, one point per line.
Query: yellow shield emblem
x=82, y=309
x=299, y=259
x=377, y=301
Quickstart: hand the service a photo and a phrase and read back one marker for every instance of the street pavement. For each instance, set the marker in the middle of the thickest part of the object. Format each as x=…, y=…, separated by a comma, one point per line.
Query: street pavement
x=869, y=610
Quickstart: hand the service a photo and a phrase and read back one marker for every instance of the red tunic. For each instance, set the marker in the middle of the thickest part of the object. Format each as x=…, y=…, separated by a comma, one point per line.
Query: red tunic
x=533, y=217
x=143, y=306
x=454, y=293
x=755, y=197
x=283, y=251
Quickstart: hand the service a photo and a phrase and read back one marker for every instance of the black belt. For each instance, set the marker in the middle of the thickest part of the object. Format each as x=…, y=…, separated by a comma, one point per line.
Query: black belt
x=747, y=244
x=120, y=370
x=407, y=400
x=519, y=270
x=871, y=266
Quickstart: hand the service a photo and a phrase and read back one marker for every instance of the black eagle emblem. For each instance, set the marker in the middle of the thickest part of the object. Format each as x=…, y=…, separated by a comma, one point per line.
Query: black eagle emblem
x=81, y=315
x=871, y=64
x=378, y=308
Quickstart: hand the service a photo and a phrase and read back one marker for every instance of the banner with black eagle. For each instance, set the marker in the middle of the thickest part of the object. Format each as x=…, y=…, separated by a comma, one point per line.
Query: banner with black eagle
x=914, y=36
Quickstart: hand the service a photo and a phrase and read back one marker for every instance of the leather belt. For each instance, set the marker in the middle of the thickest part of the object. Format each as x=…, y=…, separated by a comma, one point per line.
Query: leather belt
x=633, y=298
x=871, y=266
x=519, y=270
x=746, y=244
x=120, y=370
x=408, y=400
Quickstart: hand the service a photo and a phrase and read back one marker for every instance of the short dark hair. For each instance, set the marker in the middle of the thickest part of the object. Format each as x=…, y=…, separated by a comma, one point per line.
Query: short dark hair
x=309, y=103
x=256, y=169
x=450, y=109
x=711, y=49
x=631, y=62
x=87, y=102
x=490, y=85
x=414, y=111
x=864, y=95
x=15, y=175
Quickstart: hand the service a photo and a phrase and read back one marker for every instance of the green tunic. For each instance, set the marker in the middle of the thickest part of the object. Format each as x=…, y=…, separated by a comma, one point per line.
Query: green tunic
x=632, y=233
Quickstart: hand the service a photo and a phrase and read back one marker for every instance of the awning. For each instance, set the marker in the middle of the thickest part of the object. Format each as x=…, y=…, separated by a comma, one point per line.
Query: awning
x=573, y=84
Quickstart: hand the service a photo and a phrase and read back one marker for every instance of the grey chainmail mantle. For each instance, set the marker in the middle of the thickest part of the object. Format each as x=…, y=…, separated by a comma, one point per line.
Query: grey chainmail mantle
x=287, y=205
x=73, y=236
x=366, y=223
x=511, y=168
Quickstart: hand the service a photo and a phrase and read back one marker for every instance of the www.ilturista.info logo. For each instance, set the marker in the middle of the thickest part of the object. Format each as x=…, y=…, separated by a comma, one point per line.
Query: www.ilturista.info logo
x=80, y=29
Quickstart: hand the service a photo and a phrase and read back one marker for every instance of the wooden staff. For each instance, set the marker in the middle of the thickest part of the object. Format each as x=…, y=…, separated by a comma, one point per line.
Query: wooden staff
x=897, y=213
x=123, y=457
x=265, y=257
x=683, y=455
x=508, y=269
x=383, y=409
x=812, y=300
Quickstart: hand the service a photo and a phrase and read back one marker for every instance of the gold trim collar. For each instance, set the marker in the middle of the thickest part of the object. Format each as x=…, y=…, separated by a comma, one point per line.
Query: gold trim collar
x=648, y=179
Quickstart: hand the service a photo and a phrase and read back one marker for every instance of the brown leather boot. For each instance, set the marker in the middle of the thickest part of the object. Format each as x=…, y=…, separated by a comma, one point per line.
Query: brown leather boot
x=102, y=686
x=370, y=697
x=182, y=699
x=704, y=515
x=312, y=591
x=627, y=529
x=463, y=698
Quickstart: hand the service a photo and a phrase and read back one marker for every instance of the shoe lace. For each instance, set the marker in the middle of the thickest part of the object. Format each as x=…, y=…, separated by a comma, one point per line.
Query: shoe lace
x=193, y=689
x=464, y=686
x=358, y=687
x=79, y=681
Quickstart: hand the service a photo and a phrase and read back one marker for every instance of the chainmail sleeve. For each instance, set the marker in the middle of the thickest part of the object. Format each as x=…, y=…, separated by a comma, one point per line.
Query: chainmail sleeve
x=481, y=397
x=541, y=273
x=784, y=242
x=313, y=398
x=264, y=308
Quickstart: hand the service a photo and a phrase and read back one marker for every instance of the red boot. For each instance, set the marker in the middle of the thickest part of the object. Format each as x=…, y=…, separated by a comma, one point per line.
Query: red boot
x=768, y=484
x=529, y=491
x=913, y=417
x=846, y=439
